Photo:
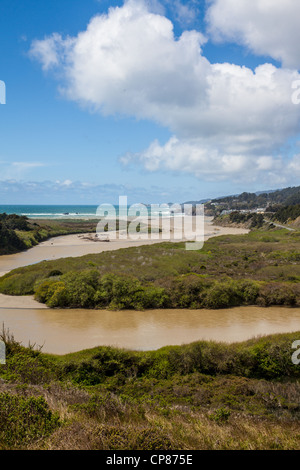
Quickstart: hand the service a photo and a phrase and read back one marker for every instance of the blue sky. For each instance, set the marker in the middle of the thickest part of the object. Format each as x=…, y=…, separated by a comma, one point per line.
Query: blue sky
x=162, y=101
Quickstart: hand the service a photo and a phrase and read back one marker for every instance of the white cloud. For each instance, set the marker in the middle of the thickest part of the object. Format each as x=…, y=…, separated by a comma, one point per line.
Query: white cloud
x=266, y=27
x=48, y=50
x=199, y=157
x=227, y=119
x=67, y=183
x=129, y=62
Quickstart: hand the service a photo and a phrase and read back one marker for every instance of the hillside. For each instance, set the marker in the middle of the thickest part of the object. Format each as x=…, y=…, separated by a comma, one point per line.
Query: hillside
x=251, y=201
x=10, y=242
x=287, y=214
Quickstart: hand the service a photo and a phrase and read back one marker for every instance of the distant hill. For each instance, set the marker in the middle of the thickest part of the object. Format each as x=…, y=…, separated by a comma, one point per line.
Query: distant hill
x=293, y=200
x=249, y=201
x=203, y=201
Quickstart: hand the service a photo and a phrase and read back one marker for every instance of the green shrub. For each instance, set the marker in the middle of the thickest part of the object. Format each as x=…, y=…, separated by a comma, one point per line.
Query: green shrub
x=27, y=365
x=220, y=416
x=9, y=240
x=75, y=289
x=58, y=296
x=24, y=420
x=250, y=291
x=222, y=295
x=17, y=284
x=86, y=289
x=54, y=273
x=276, y=294
x=44, y=290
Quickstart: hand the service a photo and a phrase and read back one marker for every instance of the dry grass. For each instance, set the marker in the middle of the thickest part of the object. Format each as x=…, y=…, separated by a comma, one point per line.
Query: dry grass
x=180, y=431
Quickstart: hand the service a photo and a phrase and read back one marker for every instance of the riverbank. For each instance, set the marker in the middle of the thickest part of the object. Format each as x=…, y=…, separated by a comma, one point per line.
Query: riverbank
x=22, y=302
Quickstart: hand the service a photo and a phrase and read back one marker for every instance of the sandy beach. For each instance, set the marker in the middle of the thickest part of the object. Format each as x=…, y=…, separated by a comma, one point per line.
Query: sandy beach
x=83, y=244
x=23, y=302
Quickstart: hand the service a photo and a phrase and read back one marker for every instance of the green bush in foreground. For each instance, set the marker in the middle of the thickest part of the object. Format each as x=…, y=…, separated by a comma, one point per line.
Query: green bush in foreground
x=24, y=420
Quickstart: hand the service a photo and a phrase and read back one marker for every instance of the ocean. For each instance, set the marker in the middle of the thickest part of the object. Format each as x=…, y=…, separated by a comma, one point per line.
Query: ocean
x=51, y=212
x=60, y=211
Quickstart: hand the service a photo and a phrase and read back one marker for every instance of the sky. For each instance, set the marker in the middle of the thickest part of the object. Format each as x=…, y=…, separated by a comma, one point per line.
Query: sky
x=159, y=100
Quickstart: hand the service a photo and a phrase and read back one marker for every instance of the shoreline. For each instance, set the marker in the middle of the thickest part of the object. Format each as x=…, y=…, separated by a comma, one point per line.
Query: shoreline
x=20, y=302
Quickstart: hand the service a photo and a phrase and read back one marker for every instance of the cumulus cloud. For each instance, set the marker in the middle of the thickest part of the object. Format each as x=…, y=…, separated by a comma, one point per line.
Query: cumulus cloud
x=226, y=119
x=126, y=62
x=206, y=162
x=266, y=27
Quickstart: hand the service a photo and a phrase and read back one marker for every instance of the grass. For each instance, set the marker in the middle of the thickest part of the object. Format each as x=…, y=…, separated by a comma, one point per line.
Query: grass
x=204, y=395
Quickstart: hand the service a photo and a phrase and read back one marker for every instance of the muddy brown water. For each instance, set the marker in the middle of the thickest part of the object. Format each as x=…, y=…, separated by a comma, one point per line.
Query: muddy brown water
x=63, y=331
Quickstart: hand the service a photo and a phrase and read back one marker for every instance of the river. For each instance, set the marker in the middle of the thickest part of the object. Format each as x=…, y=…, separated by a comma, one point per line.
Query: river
x=62, y=331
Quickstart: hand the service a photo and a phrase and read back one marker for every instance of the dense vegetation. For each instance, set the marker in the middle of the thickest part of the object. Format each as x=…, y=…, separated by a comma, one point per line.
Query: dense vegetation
x=9, y=240
x=260, y=268
x=293, y=199
x=204, y=395
x=287, y=214
x=18, y=233
x=15, y=222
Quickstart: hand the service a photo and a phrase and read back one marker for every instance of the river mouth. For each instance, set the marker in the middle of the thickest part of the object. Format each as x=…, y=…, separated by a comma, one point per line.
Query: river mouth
x=62, y=331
